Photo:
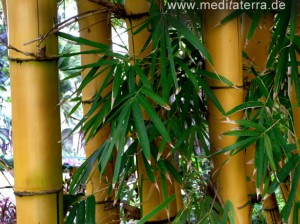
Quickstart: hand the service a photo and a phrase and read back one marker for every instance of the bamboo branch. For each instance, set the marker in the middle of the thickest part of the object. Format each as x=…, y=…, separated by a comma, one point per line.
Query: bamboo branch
x=117, y=9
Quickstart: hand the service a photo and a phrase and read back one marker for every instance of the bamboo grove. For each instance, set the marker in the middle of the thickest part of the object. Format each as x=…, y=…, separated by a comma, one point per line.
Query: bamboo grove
x=198, y=122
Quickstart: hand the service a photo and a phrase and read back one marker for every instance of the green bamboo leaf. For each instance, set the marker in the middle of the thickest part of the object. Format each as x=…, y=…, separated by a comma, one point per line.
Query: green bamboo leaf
x=255, y=21
x=215, y=76
x=172, y=171
x=163, y=67
x=67, y=55
x=251, y=124
x=189, y=74
x=117, y=166
x=156, y=98
x=142, y=76
x=82, y=173
x=245, y=106
x=293, y=19
x=240, y=144
x=71, y=201
x=190, y=36
x=72, y=214
x=289, y=204
x=120, y=146
x=278, y=41
x=117, y=81
x=80, y=215
x=164, y=185
x=74, y=109
x=171, y=58
x=269, y=150
x=211, y=95
x=294, y=74
x=141, y=130
x=97, y=121
x=284, y=172
x=90, y=209
x=154, y=117
x=149, y=170
x=281, y=68
x=259, y=161
x=262, y=86
x=104, y=61
x=243, y=133
x=83, y=41
x=296, y=212
x=73, y=75
x=157, y=209
x=228, y=213
x=122, y=123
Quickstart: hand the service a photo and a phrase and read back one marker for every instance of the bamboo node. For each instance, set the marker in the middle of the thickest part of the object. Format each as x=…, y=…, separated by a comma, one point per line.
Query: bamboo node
x=164, y=221
x=21, y=60
x=270, y=209
x=227, y=87
x=33, y=193
x=108, y=204
x=244, y=205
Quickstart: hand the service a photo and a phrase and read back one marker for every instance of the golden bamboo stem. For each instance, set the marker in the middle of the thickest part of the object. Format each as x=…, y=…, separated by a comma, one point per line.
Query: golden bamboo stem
x=151, y=194
x=97, y=28
x=35, y=112
x=271, y=210
x=257, y=50
x=225, y=47
x=296, y=115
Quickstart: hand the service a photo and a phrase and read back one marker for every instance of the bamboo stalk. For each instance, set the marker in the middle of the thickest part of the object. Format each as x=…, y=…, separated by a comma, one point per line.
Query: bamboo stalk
x=257, y=51
x=151, y=194
x=97, y=28
x=271, y=210
x=225, y=47
x=35, y=112
x=296, y=116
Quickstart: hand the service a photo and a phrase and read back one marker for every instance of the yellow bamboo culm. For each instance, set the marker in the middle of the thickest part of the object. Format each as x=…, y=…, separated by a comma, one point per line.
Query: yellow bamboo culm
x=151, y=194
x=97, y=28
x=296, y=115
x=224, y=44
x=257, y=51
x=35, y=112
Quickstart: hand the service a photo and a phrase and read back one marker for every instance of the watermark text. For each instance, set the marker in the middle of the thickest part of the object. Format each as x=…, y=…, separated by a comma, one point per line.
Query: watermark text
x=226, y=4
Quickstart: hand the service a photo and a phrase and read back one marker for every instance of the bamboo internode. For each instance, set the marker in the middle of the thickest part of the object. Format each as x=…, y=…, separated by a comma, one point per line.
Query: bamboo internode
x=296, y=116
x=97, y=28
x=225, y=47
x=35, y=112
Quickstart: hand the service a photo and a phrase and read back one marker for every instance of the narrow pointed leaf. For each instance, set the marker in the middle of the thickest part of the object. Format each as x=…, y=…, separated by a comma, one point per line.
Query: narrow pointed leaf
x=83, y=41
x=157, y=209
x=141, y=130
x=190, y=36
